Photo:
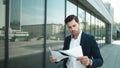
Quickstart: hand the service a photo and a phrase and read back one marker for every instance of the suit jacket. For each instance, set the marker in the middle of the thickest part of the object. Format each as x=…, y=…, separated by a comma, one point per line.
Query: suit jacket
x=89, y=47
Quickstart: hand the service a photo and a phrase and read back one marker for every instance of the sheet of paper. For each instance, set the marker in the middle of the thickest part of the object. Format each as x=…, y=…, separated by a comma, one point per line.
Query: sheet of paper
x=74, y=52
x=57, y=54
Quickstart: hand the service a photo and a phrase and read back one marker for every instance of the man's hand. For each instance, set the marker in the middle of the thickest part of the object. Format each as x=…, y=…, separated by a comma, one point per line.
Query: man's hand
x=53, y=59
x=84, y=60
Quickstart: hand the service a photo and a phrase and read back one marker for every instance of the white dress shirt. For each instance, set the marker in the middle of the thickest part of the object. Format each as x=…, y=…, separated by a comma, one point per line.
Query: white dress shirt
x=72, y=61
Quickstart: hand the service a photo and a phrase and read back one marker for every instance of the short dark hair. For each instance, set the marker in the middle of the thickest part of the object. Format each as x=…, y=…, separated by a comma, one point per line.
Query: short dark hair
x=70, y=18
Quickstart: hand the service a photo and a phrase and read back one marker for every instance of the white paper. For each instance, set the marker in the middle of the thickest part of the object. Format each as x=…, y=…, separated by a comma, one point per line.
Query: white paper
x=57, y=55
x=74, y=52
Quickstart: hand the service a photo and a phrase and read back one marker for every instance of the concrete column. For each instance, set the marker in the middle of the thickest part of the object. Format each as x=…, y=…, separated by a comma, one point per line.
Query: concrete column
x=108, y=34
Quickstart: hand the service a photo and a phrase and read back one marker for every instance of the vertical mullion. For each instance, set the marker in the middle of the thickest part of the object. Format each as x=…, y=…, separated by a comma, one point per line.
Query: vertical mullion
x=6, y=34
x=65, y=17
x=45, y=18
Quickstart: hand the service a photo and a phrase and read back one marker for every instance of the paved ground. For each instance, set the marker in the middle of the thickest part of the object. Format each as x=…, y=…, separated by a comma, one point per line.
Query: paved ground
x=111, y=55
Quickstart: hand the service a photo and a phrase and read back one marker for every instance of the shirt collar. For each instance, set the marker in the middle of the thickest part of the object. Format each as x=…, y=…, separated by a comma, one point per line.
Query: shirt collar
x=79, y=36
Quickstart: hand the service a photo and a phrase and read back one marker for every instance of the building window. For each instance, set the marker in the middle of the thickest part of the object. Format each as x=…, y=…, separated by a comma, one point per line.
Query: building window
x=2, y=33
x=55, y=26
x=15, y=8
x=71, y=9
x=26, y=33
x=81, y=16
x=88, y=23
x=4, y=2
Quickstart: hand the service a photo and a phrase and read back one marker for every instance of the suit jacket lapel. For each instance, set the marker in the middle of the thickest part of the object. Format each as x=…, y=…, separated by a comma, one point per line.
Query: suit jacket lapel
x=82, y=38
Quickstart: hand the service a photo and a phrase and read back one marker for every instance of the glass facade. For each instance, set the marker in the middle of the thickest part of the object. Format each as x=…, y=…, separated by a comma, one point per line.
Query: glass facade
x=26, y=34
x=35, y=25
x=15, y=10
x=92, y=25
x=81, y=16
x=54, y=28
x=70, y=9
x=88, y=23
x=2, y=33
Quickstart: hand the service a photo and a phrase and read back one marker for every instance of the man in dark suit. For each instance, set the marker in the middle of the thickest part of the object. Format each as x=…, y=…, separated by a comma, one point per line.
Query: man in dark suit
x=91, y=54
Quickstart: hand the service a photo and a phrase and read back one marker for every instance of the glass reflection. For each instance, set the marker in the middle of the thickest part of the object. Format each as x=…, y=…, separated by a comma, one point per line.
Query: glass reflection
x=103, y=32
x=88, y=23
x=15, y=8
x=2, y=32
x=55, y=20
x=54, y=28
x=92, y=25
x=71, y=9
x=98, y=34
x=26, y=33
x=81, y=16
x=96, y=28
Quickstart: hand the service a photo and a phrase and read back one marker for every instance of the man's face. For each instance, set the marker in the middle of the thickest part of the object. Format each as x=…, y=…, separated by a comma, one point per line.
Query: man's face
x=73, y=27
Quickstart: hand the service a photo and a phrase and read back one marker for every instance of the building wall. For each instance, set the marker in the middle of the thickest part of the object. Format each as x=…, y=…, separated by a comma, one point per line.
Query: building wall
x=43, y=20
x=15, y=10
x=116, y=31
x=98, y=8
x=35, y=31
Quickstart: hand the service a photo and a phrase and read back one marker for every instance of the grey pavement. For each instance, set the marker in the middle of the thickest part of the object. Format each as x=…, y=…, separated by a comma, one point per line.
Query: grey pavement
x=111, y=55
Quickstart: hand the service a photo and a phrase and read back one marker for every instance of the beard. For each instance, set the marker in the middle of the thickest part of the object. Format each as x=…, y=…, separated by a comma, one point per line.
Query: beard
x=74, y=33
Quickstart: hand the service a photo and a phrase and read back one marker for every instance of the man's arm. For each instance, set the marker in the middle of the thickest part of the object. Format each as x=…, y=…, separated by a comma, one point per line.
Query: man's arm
x=97, y=59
